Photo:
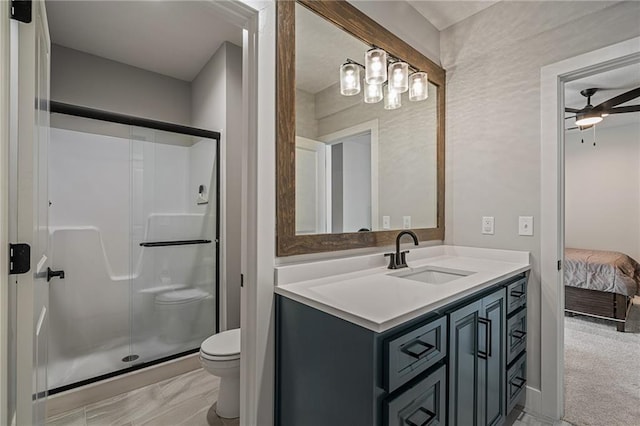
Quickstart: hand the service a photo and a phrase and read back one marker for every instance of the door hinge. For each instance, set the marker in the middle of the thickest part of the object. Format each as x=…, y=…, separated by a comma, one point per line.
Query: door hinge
x=21, y=10
x=19, y=258
x=241, y=280
x=559, y=265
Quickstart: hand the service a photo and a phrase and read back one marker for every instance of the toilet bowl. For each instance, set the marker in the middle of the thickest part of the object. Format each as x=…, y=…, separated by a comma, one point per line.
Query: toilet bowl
x=220, y=356
x=177, y=313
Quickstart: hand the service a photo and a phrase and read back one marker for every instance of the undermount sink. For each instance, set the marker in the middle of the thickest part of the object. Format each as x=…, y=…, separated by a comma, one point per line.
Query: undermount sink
x=431, y=274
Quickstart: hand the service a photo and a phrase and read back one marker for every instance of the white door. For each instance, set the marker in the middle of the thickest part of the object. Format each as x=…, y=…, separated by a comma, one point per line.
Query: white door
x=33, y=51
x=311, y=195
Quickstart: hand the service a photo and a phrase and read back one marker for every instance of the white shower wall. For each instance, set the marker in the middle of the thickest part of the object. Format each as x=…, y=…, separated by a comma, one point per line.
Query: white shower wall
x=109, y=194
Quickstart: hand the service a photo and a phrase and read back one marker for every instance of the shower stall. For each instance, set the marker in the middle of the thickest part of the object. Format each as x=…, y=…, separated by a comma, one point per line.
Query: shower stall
x=134, y=225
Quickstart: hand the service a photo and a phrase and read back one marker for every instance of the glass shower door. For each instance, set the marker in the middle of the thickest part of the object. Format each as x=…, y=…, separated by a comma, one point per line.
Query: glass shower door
x=174, y=228
x=134, y=225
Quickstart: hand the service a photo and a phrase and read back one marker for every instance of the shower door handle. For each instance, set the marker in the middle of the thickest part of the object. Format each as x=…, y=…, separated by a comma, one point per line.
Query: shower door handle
x=54, y=274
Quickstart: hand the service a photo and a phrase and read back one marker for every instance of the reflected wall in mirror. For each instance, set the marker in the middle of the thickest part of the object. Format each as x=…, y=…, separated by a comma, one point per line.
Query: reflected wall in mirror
x=359, y=166
x=359, y=170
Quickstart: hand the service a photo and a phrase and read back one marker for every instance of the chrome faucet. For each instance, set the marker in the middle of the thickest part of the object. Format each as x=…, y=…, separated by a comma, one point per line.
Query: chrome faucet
x=399, y=258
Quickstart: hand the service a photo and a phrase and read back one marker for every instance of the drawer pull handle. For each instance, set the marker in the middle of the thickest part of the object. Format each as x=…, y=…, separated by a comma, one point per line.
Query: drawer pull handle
x=518, y=334
x=520, y=382
x=487, y=338
x=417, y=354
x=430, y=416
x=517, y=293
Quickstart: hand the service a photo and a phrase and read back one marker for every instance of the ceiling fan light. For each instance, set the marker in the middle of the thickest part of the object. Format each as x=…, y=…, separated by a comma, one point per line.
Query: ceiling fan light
x=587, y=120
x=349, y=79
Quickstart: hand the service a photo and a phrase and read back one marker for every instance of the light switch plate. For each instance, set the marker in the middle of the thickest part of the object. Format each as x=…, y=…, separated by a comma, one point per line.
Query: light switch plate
x=487, y=225
x=386, y=222
x=525, y=225
x=406, y=222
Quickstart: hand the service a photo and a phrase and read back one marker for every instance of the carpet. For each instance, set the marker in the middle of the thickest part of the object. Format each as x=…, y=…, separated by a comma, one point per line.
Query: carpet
x=602, y=371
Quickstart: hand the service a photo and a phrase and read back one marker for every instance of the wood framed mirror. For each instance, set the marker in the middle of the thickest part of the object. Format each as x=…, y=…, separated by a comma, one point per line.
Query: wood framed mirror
x=351, y=174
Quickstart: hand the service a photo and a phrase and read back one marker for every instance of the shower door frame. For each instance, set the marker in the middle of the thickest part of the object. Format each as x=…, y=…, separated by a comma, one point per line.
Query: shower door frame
x=96, y=114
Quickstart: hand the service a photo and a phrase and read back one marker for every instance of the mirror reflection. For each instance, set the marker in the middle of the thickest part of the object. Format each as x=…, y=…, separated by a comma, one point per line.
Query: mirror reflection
x=359, y=166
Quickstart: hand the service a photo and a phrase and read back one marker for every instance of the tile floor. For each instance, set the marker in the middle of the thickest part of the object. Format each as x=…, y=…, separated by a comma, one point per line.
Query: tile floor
x=181, y=400
x=185, y=400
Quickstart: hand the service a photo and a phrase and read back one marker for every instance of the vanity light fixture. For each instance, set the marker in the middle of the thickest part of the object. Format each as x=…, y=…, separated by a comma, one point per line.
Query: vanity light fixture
x=350, y=78
x=372, y=93
x=392, y=98
x=385, y=77
x=399, y=76
x=418, y=86
x=375, y=66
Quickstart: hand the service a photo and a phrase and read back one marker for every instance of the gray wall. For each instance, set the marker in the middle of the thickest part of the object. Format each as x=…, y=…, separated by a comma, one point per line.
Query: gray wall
x=493, y=62
x=404, y=21
x=82, y=79
x=217, y=105
x=406, y=151
x=602, y=189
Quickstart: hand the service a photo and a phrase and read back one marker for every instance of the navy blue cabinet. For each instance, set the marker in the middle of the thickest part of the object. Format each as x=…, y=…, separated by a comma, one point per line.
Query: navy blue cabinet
x=447, y=367
x=477, y=362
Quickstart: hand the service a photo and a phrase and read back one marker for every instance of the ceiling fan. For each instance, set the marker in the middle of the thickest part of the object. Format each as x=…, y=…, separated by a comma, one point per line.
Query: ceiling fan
x=590, y=115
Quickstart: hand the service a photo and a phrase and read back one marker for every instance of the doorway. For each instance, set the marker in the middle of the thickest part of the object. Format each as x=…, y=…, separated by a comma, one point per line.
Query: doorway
x=241, y=16
x=553, y=80
x=602, y=248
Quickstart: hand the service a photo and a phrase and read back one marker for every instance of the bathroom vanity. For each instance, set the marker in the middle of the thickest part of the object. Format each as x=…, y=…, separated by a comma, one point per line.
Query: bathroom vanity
x=442, y=342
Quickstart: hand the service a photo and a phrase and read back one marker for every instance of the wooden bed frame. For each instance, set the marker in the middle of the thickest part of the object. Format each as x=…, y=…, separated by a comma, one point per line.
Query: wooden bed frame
x=600, y=304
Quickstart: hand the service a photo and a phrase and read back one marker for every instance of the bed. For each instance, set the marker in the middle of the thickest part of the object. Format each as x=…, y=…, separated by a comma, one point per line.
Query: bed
x=600, y=284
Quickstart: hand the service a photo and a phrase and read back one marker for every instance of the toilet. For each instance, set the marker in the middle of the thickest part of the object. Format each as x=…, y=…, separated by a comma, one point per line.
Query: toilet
x=177, y=313
x=220, y=356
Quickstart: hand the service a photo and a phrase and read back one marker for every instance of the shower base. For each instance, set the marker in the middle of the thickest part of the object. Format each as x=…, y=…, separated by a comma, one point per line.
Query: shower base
x=66, y=373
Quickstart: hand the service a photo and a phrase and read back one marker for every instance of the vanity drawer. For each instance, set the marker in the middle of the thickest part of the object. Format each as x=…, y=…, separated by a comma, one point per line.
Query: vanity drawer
x=413, y=352
x=516, y=335
x=516, y=381
x=516, y=295
x=423, y=404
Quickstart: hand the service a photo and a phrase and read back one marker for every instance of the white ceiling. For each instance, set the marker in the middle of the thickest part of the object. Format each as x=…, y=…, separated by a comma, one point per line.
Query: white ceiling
x=442, y=14
x=612, y=83
x=321, y=48
x=173, y=38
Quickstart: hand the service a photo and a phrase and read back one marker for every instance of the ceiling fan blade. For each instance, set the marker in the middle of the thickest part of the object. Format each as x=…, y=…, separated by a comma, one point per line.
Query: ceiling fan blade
x=573, y=110
x=620, y=110
x=617, y=100
x=572, y=128
x=573, y=116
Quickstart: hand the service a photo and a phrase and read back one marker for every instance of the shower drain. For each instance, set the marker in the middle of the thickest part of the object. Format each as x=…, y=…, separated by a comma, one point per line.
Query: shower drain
x=130, y=358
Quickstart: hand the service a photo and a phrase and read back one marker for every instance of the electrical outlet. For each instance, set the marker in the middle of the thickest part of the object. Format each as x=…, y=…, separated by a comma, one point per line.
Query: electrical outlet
x=487, y=225
x=406, y=222
x=386, y=222
x=525, y=225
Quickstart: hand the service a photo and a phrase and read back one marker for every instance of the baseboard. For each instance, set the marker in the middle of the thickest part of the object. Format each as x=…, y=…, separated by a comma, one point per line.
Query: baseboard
x=533, y=405
x=79, y=397
x=533, y=401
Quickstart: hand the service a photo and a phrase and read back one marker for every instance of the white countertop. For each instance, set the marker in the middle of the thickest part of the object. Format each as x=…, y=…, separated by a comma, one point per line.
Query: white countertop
x=360, y=289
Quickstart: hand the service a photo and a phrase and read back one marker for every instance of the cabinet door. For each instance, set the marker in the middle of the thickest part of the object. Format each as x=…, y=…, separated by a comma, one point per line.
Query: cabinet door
x=491, y=354
x=463, y=365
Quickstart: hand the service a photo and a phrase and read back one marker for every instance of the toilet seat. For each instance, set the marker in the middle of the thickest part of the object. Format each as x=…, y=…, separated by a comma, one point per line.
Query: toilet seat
x=223, y=346
x=176, y=297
